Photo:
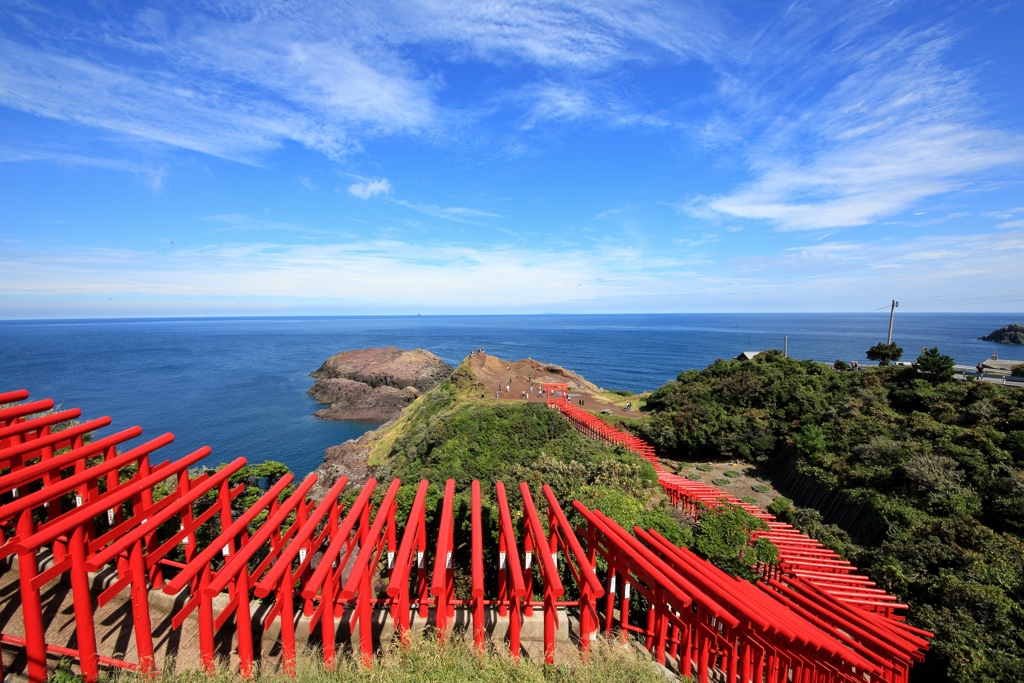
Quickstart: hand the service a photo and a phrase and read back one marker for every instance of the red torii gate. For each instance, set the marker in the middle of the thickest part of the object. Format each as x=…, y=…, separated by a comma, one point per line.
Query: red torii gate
x=550, y=390
x=827, y=580
x=93, y=504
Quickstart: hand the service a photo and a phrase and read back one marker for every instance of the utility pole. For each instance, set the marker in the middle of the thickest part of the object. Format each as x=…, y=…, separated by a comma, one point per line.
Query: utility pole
x=785, y=347
x=892, y=312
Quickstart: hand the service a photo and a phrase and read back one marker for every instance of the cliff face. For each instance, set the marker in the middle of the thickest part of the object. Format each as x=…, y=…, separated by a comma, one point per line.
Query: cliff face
x=375, y=384
x=1011, y=334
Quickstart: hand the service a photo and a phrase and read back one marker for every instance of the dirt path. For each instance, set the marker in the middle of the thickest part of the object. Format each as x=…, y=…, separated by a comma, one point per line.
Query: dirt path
x=521, y=381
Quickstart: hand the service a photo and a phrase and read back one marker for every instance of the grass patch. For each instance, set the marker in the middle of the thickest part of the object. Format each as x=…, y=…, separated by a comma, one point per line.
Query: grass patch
x=720, y=482
x=762, y=488
x=706, y=468
x=733, y=473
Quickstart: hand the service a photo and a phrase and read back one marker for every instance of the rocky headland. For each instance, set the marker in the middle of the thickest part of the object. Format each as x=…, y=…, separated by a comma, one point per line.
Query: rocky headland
x=372, y=378
x=375, y=384
x=1011, y=334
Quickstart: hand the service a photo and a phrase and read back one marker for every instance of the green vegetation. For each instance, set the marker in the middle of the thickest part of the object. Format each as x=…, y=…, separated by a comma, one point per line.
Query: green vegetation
x=733, y=473
x=936, y=367
x=449, y=433
x=939, y=465
x=723, y=536
x=885, y=353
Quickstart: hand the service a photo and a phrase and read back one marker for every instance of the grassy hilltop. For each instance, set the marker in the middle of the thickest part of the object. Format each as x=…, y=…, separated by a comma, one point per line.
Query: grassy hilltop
x=939, y=465
x=453, y=433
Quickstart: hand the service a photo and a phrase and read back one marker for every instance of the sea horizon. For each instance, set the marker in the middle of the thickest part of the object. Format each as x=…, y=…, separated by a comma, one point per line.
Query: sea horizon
x=238, y=383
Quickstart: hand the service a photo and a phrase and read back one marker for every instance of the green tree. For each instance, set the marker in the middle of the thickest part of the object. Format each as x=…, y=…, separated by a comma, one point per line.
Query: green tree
x=723, y=536
x=935, y=366
x=885, y=353
x=1017, y=370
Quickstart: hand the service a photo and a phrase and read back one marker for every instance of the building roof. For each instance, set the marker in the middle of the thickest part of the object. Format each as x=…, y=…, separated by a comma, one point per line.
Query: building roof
x=747, y=355
x=999, y=365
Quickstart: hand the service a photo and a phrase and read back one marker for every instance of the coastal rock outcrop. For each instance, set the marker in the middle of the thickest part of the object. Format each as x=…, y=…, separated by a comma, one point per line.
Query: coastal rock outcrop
x=345, y=379
x=492, y=372
x=375, y=384
x=1011, y=334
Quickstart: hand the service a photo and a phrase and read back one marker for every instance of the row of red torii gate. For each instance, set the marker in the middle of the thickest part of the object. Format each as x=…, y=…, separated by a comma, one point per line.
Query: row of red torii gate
x=108, y=528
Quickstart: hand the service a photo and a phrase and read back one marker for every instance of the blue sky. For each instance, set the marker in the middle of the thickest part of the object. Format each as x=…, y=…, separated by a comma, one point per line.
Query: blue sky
x=212, y=158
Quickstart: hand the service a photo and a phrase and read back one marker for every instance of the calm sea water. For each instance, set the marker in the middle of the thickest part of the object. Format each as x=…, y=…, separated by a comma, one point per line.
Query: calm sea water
x=238, y=384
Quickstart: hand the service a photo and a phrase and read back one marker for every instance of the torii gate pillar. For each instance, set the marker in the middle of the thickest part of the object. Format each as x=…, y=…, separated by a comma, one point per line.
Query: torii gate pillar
x=550, y=389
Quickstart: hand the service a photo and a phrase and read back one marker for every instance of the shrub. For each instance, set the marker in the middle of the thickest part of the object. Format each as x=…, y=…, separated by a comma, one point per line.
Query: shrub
x=780, y=506
x=722, y=535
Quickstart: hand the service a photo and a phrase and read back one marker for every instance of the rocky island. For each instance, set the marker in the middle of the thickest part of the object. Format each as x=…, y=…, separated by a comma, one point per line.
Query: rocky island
x=375, y=384
x=1011, y=334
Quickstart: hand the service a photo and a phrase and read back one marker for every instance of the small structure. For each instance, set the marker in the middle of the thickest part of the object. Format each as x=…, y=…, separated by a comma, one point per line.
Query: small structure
x=747, y=355
x=996, y=366
x=555, y=393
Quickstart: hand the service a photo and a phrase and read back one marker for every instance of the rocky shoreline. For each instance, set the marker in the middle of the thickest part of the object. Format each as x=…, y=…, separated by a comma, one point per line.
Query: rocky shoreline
x=1011, y=334
x=375, y=384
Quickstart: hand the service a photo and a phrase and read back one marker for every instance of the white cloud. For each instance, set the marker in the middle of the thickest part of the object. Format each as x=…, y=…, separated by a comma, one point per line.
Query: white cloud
x=1012, y=224
x=590, y=35
x=896, y=127
x=240, y=222
x=553, y=102
x=237, y=80
x=459, y=214
x=386, y=272
x=152, y=175
x=232, y=90
x=369, y=188
x=925, y=272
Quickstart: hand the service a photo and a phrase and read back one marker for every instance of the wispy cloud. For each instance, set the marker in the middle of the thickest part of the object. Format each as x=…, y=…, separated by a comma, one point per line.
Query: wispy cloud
x=590, y=35
x=235, y=82
x=232, y=90
x=240, y=222
x=459, y=214
x=152, y=175
x=370, y=188
x=606, y=276
x=896, y=126
x=386, y=272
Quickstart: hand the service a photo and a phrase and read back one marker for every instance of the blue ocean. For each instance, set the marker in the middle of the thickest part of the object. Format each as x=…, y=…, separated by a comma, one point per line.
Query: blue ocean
x=238, y=384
